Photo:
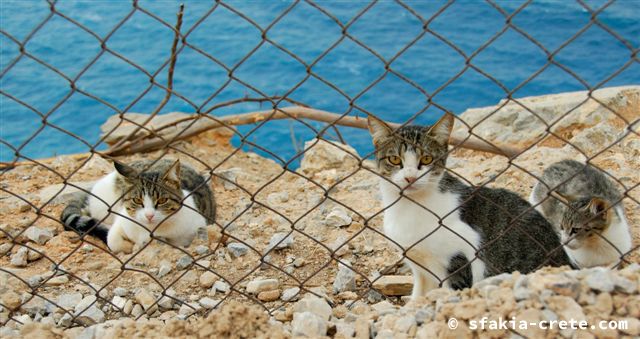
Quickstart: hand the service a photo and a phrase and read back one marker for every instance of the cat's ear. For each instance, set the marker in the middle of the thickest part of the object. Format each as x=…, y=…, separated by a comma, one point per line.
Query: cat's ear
x=124, y=170
x=597, y=205
x=172, y=175
x=441, y=130
x=379, y=130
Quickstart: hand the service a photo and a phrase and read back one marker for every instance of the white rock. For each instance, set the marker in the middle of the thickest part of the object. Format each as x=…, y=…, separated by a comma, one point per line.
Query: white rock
x=19, y=259
x=164, y=268
x=85, y=303
x=237, y=249
x=345, y=279
x=221, y=286
x=309, y=325
x=38, y=235
x=599, y=279
x=259, y=285
x=208, y=303
x=275, y=241
x=93, y=315
x=315, y=305
x=119, y=291
x=290, y=294
x=338, y=217
x=320, y=155
x=207, y=279
x=119, y=302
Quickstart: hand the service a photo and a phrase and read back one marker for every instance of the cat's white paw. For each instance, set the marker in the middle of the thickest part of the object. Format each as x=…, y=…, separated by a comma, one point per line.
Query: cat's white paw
x=117, y=242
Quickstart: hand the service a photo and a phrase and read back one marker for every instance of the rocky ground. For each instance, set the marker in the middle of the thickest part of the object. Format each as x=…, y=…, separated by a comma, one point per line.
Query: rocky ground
x=306, y=245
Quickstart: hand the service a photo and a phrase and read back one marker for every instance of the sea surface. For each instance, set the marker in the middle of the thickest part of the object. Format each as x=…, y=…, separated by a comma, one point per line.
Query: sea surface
x=467, y=57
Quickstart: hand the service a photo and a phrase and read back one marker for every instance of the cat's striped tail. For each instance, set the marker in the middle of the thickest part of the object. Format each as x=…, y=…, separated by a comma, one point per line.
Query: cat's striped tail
x=76, y=218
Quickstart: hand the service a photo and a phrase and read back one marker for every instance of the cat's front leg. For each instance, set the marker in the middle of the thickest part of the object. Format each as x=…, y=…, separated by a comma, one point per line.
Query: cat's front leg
x=117, y=240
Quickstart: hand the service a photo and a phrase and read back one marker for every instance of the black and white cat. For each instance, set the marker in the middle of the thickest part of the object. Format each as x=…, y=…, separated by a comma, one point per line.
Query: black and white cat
x=453, y=234
x=169, y=199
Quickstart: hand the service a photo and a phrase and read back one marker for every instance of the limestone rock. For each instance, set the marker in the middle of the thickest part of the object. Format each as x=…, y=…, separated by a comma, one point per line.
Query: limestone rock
x=19, y=259
x=116, y=127
x=271, y=295
x=307, y=324
x=207, y=279
x=259, y=285
x=314, y=305
x=61, y=193
x=38, y=235
x=394, y=285
x=290, y=294
x=164, y=268
x=277, y=241
x=338, y=217
x=208, y=303
x=184, y=262
x=146, y=300
x=345, y=279
x=237, y=249
x=320, y=155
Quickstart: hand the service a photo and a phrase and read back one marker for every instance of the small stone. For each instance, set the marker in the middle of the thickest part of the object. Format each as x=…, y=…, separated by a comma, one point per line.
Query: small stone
x=259, y=285
x=87, y=248
x=38, y=235
x=5, y=248
x=146, y=299
x=92, y=315
x=208, y=303
x=338, y=217
x=34, y=307
x=202, y=250
x=69, y=301
x=290, y=294
x=85, y=303
x=137, y=311
x=11, y=300
x=207, y=279
x=276, y=199
x=128, y=307
x=188, y=309
x=237, y=249
x=384, y=307
x=275, y=241
x=166, y=302
x=164, y=268
x=599, y=279
x=184, y=262
x=65, y=321
x=632, y=328
x=394, y=285
x=345, y=279
x=19, y=259
x=119, y=291
x=57, y=281
x=271, y=295
x=309, y=325
x=315, y=305
x=230, y=177
x=624, y=285
x=118, y=302
x=34, y=255
x=299, y=262
x=221, y=286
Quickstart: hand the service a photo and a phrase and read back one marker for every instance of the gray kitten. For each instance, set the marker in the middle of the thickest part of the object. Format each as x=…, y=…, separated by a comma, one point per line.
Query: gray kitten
x=452, y=233
x=584, y=206
x=167, y=198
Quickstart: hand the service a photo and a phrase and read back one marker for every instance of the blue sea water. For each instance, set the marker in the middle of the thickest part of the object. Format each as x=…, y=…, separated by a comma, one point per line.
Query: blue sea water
x=430, y=71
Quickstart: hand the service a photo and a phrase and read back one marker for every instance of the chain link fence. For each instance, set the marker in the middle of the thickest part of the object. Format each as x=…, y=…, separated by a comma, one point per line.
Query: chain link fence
x=315, y=229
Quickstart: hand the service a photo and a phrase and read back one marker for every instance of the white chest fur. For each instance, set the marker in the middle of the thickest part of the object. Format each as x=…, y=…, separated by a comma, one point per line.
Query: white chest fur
x=431, y=232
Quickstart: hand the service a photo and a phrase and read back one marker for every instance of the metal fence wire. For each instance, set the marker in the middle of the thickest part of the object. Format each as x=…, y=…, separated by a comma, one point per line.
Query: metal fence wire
x=99, y=272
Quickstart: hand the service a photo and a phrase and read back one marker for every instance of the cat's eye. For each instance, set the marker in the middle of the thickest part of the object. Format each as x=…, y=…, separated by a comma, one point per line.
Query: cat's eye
x=137, y=201
x=394, y=160
x=426, y=160
x=162, y=201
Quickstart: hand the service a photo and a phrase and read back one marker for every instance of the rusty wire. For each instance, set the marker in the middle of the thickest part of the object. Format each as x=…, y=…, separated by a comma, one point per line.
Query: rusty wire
x=201, y=113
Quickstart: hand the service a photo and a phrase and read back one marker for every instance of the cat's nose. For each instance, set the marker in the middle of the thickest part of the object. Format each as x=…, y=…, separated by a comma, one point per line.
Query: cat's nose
x=410, y=180
x=149, y=216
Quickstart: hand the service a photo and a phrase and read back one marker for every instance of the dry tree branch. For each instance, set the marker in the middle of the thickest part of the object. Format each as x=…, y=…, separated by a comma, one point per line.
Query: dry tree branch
x=295, y=112
x=172, y=65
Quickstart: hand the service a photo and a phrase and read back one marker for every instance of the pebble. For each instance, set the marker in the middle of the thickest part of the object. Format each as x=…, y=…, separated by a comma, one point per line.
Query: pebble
x=166, y=302
x=34, y=255
x=345, y=279
x=146, y=300
x=164, y=268
x=38, y=235
x=19, y=259
x=274, y=242
x=207, y=279
x=599, y=279
x=34, y=306
x=309, y=325
x=338, y=217
x=68, y=301
x=65, y=321
x=299, y=262
x=137, y=311
x=314, y=305
x=57, y=281
x=5, y=248
x=184, y=262
x=119, y=291
x=290, y=294
x=394, y=285
x=119, y=302
x=271, y=295
x=11, y=300
x=221, y=286
x=188, y=309
x=259, y=285
x=128, y=307
x=237, y=249
x=202, y=249
x=208, y=303
x=86, y=248
x=92, y=315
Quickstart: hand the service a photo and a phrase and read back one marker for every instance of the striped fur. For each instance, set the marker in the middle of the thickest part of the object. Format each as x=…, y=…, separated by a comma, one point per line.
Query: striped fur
x=75, y=217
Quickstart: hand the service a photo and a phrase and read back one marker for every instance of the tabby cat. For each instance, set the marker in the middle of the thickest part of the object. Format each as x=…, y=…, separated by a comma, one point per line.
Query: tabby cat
x=453, y=234
x=167, y=198
x=585, y=208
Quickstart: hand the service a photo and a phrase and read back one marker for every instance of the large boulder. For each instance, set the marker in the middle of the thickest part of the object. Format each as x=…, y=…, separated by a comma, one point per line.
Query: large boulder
x=321, y=155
